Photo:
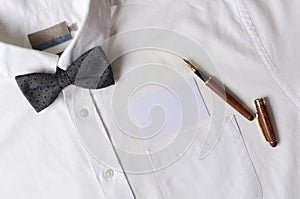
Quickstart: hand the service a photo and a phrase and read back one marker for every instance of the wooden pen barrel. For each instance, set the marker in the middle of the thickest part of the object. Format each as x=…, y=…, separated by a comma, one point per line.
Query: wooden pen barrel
x=229, y=99
x=264, y=122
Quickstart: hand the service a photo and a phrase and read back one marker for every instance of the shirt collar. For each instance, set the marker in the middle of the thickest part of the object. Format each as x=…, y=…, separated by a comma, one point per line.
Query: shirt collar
x=94, y=29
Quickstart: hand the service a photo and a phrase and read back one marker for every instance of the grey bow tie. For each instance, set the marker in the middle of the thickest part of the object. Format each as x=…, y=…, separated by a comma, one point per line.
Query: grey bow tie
x=91, y=70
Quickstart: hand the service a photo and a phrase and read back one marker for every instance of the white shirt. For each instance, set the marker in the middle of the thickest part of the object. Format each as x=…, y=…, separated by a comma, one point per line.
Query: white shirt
x=78, y=146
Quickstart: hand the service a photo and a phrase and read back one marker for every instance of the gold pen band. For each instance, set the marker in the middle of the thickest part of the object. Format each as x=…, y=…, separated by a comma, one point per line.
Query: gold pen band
x=207, y=81
x=259, y=102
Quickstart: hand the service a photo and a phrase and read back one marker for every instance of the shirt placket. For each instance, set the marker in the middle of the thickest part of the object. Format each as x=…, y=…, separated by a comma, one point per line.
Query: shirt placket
x=108, y=170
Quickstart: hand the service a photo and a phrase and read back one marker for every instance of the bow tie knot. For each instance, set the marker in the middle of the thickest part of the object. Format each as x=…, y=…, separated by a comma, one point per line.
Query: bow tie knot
x=91, y=70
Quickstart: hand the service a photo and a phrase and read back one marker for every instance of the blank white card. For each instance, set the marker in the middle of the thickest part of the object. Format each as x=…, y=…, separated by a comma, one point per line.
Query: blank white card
x=171, y=110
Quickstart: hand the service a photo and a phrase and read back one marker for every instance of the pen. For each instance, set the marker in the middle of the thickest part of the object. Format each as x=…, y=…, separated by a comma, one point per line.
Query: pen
x=209, y=82
x=264, y=121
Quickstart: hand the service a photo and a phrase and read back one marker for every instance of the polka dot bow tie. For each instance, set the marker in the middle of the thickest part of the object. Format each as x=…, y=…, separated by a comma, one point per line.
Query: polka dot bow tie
x=91, y=70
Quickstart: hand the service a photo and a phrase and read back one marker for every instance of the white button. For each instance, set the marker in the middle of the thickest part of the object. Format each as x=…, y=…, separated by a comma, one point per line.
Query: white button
x=83, y=113
x=108, y=173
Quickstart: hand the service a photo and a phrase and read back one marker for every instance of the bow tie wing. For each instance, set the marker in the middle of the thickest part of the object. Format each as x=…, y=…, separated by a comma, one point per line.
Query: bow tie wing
x=41, y=89
x=106, y=78
x=91, y=70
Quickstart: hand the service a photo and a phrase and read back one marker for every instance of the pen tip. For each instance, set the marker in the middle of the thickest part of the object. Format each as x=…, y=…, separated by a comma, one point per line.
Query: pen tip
x=185, y=60
x=190, y=65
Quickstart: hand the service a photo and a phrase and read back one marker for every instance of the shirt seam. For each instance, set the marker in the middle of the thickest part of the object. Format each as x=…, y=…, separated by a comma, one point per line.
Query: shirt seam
x=128, y=2
x=164, y=193
x=235, y=125
x=260, y=49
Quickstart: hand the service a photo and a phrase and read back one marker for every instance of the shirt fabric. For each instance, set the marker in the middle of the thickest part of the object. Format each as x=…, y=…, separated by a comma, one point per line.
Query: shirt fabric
x=78, y=147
